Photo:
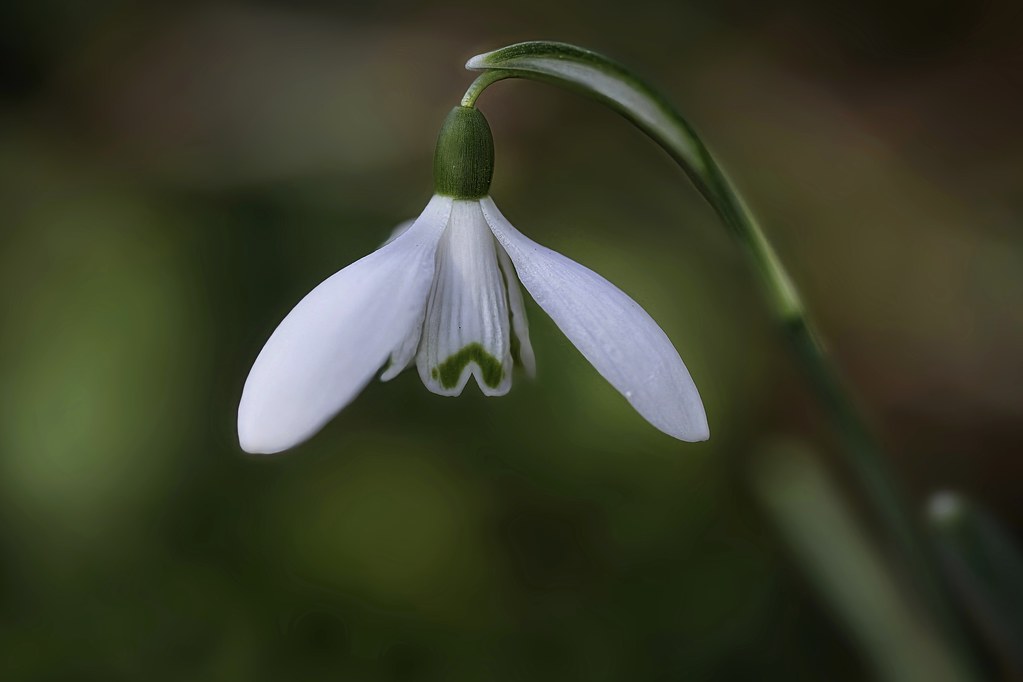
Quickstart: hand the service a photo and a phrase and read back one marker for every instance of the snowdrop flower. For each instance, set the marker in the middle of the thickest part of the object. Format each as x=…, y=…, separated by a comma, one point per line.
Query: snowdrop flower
x=444, y=294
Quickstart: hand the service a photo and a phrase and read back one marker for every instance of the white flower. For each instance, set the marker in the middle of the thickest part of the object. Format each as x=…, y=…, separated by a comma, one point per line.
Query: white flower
x=445, y=294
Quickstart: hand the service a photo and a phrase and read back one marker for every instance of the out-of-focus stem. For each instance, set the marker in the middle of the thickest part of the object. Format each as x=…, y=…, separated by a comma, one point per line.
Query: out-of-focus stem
x=851, y=576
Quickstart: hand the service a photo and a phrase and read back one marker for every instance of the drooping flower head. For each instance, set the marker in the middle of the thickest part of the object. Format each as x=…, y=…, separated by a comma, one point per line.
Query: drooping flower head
x=444, y=293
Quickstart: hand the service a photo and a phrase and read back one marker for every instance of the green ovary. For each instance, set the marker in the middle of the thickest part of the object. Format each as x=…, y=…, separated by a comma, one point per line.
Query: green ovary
x=448, y=372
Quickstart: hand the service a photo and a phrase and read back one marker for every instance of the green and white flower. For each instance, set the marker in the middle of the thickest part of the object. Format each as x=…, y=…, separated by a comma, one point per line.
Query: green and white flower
x=444, y=294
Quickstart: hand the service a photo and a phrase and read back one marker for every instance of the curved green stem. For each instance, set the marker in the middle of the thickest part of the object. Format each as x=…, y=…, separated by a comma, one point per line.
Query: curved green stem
x=612, y=84
x=482, y=82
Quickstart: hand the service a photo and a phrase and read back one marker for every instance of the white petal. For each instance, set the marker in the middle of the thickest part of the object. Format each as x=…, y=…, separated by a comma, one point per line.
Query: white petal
x=401, y=229
x=520, y=324
x=402, y=356
x=466, y=330
x=330, y=345
x=610, y=329
x=405, y=353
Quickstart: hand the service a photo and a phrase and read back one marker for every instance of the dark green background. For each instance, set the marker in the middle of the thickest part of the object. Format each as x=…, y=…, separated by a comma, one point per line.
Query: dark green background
x=175, y=176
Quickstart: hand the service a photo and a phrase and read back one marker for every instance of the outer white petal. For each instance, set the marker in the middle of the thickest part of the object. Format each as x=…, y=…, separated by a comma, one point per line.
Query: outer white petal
x=611, y=330
x=401, y=229
x=466, y=330
x=520, y=324
x=333, y=342
x=403, y=355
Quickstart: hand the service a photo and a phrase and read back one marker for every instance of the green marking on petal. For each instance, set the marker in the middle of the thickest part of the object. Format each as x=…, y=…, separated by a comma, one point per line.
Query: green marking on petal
x=450, y=370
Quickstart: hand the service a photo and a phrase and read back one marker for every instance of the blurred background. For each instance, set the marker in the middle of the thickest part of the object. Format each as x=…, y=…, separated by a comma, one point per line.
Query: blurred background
x=176, y=176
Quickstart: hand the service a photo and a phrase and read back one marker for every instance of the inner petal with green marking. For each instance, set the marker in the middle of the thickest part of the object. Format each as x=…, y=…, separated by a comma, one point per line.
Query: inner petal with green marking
x=467, y=331
x=450, y=371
